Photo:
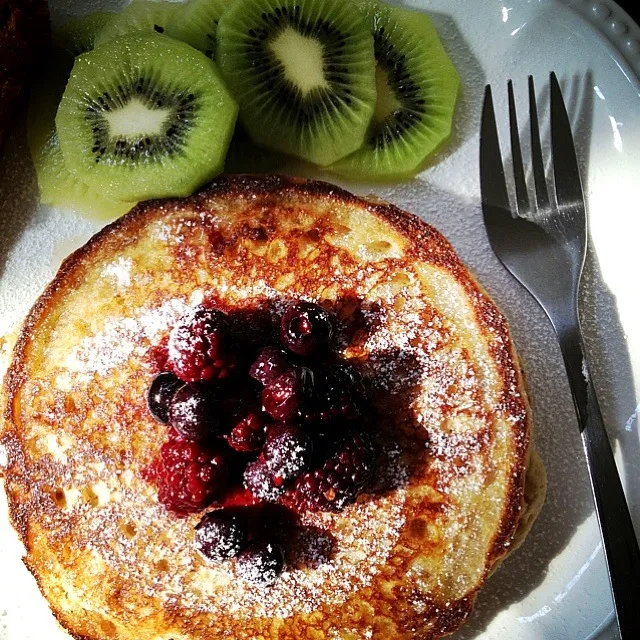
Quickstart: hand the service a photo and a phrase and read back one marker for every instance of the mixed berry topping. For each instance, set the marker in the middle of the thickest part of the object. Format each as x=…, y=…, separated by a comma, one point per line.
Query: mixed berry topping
x=270, y=363
x=259, y=479
x=200, y=348
x=248, y=432
x=221, y=535
x=339, y=394
x=339, y=481
x=304, y=327
x=189, y=476
x=194, y=412
x=160, y=394
x=285, y=398
x=251, y=424
x=261, y=562
x=287, y=452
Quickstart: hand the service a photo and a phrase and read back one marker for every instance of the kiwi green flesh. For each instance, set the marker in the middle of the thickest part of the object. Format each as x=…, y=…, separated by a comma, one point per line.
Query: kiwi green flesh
x=79, y=35
x=417, y=87
x=303, y=74
x=141, y=16
x=197, y=24
x=57, y=184
x=145, y=116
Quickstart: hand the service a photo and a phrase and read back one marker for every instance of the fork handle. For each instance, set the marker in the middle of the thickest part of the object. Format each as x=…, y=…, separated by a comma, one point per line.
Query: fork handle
x=616, y=527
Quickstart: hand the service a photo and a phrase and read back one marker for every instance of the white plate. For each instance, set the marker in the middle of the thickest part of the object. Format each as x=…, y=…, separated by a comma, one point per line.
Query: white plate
x=555, y=587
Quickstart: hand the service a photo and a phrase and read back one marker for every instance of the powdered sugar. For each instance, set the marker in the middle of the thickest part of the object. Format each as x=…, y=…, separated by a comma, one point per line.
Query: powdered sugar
x=260, y=564
x=120, y=338
x=120, y=271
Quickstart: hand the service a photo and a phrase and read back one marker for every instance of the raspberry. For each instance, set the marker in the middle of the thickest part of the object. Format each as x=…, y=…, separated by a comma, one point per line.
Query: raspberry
x=221, y=535
x=158, y=356
x=339, y=481
x=261, y=562
x=304, y=327
x=270, y=363
x=194, y=412
x=160, y=394
x=285, y=397
x=200, y=349
x=260, y=481
x=247, y=434
x=287, y=451
x=238, y=497
x=189, y=476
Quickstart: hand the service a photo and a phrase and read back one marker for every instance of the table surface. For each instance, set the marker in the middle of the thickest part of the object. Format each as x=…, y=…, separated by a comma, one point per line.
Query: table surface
x=632, y=7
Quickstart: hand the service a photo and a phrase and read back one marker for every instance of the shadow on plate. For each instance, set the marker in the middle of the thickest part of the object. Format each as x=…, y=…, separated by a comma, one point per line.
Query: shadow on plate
x=18, y=190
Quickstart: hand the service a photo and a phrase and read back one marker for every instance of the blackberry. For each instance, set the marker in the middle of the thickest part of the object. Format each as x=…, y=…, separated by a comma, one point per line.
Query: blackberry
x=200, y=347
x=160, y=394
x=285, y=398
x=194, y=412
x=221, y=535
x=260, y=481
x=270, y=363
x=261, y=562
x=304, y=327
x=339, y=481
x=287, y=451
x=189, y=476
x=339, y=393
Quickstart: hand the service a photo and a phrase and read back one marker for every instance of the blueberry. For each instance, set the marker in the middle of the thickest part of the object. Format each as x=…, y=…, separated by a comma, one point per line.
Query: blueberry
x=160, y=394
x=304, y=327
x=221, y=535
x=261, y=562
x=194, y=412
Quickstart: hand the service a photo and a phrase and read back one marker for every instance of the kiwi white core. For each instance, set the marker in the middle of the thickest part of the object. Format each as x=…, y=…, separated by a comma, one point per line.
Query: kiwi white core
x=386, y=101
x=302, y=59
x=135, y=119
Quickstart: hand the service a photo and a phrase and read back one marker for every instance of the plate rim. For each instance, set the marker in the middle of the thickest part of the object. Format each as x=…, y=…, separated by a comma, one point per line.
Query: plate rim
x=612, y=21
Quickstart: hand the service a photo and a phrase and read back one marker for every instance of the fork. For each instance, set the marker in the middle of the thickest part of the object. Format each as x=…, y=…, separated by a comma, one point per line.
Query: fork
x=542, y=242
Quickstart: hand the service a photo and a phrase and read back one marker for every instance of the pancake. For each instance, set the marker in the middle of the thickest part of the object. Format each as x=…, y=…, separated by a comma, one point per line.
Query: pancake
x=460, y=485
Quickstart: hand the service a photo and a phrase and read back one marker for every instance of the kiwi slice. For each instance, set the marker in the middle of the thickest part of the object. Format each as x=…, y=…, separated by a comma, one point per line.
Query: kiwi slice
x=146, y=16
x=78, y=36
x=145, y=116
x=58, y=185
x=197, y=24
x=417, y=86
x=303, y=72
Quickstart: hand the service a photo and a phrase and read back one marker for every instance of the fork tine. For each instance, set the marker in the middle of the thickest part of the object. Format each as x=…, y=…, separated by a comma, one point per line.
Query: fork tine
x=495, y=198
x=522, y=195
x=542, y=195
x=565, y=163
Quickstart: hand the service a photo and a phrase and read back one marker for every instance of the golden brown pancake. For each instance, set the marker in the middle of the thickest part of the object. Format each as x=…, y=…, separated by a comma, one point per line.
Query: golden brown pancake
x=406, y=560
